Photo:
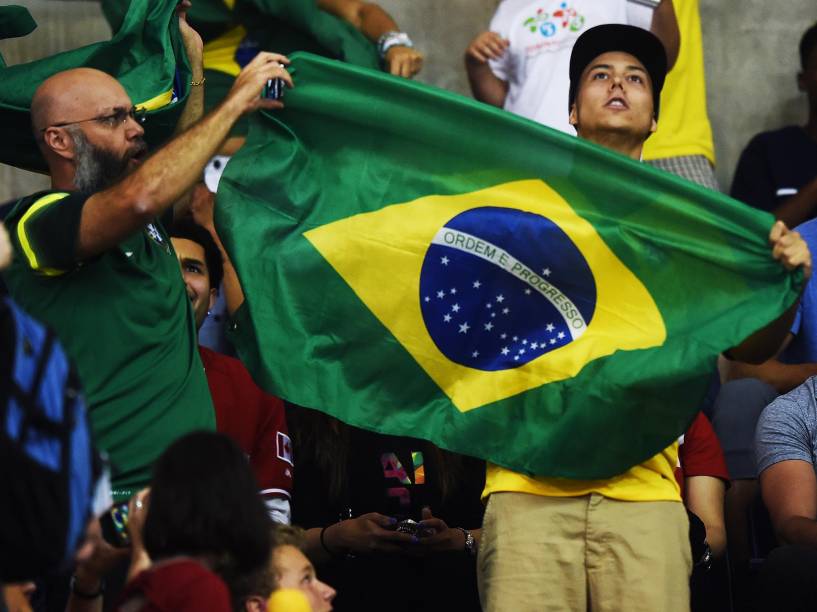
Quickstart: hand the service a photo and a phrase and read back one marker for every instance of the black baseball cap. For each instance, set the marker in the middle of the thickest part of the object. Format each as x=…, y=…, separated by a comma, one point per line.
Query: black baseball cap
x=640, y=43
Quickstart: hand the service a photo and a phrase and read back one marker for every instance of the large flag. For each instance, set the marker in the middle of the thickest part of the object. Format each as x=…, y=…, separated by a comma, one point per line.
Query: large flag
x=418, y=263
x=146, y=55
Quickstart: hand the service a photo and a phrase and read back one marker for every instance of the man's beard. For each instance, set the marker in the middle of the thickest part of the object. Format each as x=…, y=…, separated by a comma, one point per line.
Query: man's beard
x=98, y=168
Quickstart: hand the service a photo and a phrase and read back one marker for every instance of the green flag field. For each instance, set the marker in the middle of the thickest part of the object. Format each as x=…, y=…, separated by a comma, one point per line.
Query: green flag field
x=417, y=263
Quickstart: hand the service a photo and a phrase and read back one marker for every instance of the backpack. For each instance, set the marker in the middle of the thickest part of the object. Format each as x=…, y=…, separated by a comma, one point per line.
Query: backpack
x=48, y=465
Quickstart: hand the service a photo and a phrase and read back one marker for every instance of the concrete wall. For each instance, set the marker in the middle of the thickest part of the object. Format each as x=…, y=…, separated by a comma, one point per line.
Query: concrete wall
x=750, y=51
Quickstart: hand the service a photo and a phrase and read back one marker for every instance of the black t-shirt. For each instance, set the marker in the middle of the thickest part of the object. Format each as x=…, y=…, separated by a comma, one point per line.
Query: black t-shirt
x=774, y=166
x=395, y=476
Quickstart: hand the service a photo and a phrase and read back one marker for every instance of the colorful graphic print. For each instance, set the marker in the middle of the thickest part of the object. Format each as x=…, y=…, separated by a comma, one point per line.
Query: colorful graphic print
x=548, y=24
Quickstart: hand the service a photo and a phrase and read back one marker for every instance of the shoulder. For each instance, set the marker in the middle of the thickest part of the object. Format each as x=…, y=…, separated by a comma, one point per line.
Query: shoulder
x=775, y=139
x=13, y=210
x=219, y=362
x=797, y=409
x=181, y=585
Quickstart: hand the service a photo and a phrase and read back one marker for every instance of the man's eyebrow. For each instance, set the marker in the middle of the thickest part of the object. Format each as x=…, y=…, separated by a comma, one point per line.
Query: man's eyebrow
x=192, y=260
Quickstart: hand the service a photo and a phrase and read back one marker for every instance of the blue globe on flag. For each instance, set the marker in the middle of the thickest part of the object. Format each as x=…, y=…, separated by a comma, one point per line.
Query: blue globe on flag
x=500, y=287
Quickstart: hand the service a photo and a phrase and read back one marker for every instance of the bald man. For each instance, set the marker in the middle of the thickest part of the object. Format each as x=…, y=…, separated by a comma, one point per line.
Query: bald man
x=94, y=260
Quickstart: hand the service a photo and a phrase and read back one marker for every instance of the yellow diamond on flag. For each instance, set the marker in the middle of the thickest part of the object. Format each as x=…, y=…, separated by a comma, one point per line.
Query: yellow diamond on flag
x=385, y=255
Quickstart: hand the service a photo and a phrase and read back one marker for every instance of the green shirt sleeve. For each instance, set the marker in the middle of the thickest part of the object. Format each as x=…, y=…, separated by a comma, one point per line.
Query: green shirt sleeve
x=47, y=231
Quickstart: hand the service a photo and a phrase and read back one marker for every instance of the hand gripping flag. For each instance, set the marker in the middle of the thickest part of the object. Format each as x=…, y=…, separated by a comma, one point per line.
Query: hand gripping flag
x=146, y=55
x=418, y=263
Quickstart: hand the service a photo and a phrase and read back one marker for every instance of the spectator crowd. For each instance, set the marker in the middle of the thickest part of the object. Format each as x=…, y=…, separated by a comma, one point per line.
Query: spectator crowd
x=142, y=468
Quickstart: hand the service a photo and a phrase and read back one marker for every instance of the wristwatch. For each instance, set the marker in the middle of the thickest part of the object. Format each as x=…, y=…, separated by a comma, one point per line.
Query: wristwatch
x=392, y=39
x=470, y=542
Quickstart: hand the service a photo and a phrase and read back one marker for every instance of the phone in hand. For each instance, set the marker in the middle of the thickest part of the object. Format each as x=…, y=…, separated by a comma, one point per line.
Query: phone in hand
x=115, y=525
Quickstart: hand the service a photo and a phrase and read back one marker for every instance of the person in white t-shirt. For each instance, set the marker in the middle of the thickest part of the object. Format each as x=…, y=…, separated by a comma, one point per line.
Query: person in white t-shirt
x=521, y=63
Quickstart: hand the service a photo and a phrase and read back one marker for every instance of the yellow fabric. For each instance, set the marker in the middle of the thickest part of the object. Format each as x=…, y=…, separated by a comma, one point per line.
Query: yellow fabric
x=683, y=123
x=653, y=480
x=163, y=99
x=219, y=53
x=28, y=250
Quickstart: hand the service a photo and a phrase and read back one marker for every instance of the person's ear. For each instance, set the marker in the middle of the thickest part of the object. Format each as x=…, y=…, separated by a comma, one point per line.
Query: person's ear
x=653, y=125
x=255, y=604
x=59, y=141
x=573, y=118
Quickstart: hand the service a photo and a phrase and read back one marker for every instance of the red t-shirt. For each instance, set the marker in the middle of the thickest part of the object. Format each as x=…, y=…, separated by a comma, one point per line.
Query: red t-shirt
x=700, y=453
x=254, y=419
x=176, y=586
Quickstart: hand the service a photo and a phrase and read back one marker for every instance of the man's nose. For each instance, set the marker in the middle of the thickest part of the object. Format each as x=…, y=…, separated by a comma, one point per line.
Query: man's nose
x=133, y=128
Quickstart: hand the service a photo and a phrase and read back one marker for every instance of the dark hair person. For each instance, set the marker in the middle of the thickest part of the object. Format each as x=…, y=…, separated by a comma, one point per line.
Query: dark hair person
x=206, y=526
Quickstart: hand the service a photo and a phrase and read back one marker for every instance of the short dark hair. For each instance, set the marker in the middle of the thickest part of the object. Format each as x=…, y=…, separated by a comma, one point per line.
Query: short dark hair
x=807, y=44
x=264, y=581
x=204, y=501
x=187, y=229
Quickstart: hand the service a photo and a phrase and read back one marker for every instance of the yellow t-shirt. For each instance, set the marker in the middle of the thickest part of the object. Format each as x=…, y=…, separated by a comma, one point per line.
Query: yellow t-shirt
x=683, y=123
x=653, y=480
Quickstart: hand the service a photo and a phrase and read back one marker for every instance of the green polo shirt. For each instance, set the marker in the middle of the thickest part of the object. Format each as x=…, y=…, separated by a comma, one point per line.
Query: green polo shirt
x=126, y=321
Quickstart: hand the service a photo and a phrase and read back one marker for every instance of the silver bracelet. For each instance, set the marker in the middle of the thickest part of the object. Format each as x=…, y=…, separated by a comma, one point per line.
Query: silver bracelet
x=392, y=39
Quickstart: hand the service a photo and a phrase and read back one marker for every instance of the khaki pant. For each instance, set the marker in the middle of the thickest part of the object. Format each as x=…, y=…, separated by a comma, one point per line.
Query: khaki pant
x=583, y=553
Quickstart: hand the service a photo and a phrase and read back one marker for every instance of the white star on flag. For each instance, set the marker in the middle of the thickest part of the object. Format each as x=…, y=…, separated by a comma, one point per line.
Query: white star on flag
x=489, y=326
x=477, y=284
x=546, y=271
x=444, y=261
x=455, y=308
x=441, y=294
x=550, y=327
x=464, y=328
x=447, y=318
x=560, y=335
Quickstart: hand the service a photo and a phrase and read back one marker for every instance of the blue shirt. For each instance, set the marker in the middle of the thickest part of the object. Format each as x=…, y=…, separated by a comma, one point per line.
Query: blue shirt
x=803, y=348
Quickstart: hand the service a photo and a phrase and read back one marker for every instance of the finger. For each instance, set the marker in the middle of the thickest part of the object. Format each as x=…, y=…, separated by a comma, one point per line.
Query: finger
x=405, y=71
x=387, y=522
x=268, y=104
x=395, y=537
x=478, y=55
x=778, y=229
x=425, y=513
x=497, y=49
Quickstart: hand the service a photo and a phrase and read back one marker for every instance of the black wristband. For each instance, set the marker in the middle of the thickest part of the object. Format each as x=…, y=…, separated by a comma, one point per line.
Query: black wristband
x=84, y=595
x=334, y=555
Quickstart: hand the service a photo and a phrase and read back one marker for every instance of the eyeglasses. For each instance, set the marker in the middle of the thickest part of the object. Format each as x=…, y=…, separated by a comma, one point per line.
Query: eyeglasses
x=118, y=117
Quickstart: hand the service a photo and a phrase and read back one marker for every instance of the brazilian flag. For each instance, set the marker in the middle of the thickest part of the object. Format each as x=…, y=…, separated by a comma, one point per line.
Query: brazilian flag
x=418, y=263
x=146, y=55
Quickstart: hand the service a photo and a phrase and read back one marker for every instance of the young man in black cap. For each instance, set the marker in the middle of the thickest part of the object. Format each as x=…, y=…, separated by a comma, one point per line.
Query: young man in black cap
x=620, y=543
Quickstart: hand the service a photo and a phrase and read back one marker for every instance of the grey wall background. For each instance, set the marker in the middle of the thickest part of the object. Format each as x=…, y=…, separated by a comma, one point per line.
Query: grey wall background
x=750, y=53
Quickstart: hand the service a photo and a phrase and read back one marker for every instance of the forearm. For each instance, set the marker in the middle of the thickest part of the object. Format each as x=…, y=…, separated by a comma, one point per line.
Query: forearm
x=313, y=547
x=716, y=538
x=665, y=27
x=485, y=85
x=233, y=294
x=371, y=20
x=173, y=169
x=782, y=376
x=194, y=107
x=799, y=530
x=765, y=343
x=800, y=207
